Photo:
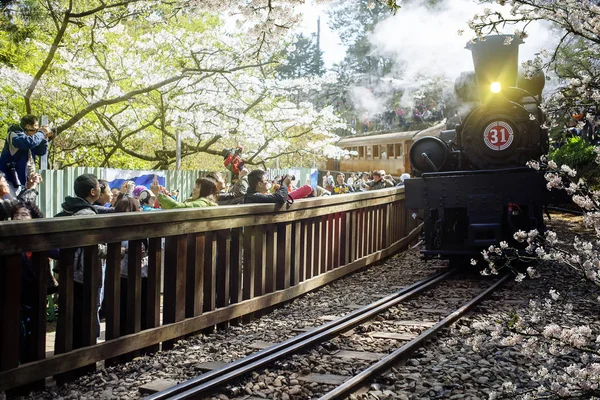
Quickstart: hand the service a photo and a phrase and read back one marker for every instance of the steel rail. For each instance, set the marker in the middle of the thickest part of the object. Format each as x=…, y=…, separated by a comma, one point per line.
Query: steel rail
x=391, y=359
x=565, y=210
x=201, y=385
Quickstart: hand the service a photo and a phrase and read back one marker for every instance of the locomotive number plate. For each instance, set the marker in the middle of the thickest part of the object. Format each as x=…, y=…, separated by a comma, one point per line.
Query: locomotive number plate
x=498, y=135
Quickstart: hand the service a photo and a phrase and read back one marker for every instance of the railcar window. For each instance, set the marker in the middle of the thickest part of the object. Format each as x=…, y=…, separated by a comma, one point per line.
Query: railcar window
x=390, y=151
x=383, y=152
x=398, y=150
x=369, y=152
x=375, y=151
x=361, y=152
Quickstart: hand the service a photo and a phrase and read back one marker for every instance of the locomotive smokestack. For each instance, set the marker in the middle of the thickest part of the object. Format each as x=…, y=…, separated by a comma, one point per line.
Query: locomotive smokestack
x=496, y=62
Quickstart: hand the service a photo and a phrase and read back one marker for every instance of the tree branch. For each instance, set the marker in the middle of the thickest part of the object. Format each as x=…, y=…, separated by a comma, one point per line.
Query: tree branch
x=46, y=64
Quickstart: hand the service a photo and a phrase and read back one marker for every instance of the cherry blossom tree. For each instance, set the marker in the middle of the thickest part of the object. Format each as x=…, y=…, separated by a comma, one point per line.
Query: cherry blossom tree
x=572, y=351
x=123, y=79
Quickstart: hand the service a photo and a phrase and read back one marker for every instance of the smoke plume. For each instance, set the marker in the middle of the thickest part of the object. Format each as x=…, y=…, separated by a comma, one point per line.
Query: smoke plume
x=425, y=41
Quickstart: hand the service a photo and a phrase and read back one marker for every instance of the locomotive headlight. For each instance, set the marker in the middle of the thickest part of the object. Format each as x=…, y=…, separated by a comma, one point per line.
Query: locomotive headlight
x=495, y=87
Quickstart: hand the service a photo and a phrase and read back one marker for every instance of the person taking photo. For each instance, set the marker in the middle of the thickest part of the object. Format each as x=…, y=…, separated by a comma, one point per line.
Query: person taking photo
x=258, y=189
x=22, y=139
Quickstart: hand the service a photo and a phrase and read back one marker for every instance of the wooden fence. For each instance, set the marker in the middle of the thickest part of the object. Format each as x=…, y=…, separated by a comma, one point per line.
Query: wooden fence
x=219, y=264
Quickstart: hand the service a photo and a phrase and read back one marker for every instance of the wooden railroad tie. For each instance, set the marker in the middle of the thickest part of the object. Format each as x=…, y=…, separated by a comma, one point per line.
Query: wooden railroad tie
x=393, y=335
x=157, y=385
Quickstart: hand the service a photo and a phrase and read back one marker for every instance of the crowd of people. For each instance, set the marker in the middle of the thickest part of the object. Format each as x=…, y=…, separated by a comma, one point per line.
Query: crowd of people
x=360, y=182
x=27, y=140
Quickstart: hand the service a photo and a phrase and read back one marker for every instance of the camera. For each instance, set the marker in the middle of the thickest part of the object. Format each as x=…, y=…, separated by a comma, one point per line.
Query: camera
x=292, y=178
x=12, y=175
x=53, y=131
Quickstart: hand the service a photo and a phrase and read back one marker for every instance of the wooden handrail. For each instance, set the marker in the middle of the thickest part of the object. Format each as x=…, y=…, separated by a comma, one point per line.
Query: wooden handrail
x=68, y=232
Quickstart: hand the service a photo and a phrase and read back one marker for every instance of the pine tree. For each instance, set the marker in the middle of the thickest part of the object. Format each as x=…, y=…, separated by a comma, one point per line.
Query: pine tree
x=306, y=59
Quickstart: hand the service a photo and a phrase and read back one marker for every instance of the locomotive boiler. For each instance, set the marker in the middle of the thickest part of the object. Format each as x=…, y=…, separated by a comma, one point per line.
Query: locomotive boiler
x=472, y=183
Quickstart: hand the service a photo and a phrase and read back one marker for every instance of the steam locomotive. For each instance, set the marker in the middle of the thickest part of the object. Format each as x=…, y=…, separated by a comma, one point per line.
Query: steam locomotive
x=472, y=183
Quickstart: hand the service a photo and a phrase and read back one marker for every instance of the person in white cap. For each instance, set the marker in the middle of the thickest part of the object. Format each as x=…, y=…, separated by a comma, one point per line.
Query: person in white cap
x=403, y=177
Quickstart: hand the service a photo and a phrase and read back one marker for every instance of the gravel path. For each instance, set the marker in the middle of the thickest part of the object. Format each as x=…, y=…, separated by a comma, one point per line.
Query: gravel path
x=447, y=368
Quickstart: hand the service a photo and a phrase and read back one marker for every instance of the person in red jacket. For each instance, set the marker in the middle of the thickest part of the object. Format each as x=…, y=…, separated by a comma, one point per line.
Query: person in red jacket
x=232, y=160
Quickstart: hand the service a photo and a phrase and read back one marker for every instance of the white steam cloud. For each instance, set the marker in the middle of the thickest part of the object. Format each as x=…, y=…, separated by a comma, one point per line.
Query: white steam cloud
x=365, y=100
x=425, y=41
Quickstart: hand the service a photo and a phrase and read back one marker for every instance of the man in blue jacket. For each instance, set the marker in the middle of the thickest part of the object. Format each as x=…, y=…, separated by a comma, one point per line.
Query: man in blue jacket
x=21, y=139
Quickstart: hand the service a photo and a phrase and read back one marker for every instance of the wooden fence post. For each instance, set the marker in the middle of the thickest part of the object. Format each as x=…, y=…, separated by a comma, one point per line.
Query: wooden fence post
x=236, y=283
x=223, y=273
x=284, y=252
x=10, y=297
x=112, y=294
x=133, y=315
x=297, y=254
x=174, y=293
x=248, y=271
x=194, y=274
x=154, y=287
x=210, y=276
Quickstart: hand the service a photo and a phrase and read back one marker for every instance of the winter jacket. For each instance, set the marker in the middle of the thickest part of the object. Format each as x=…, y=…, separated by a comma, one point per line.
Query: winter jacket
x=237, y=193
x=15, y=153
x=168, y=203
x=73, y=206
x=279, y=197
x=76, y=206
x=382, y=184
x=301, y=192
x=100, y=209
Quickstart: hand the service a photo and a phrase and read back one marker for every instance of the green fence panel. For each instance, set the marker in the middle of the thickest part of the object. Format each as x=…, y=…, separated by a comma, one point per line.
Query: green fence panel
x=59, y=183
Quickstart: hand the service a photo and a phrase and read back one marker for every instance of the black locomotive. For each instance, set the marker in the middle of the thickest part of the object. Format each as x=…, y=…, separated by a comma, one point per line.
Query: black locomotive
x=473, y=185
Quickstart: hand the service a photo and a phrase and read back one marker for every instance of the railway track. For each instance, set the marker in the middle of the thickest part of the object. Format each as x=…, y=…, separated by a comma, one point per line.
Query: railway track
x=217, y=379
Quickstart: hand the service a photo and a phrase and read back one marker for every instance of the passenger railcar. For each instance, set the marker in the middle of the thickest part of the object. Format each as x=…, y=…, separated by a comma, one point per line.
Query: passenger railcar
x=385, y=151
x=473, y=185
